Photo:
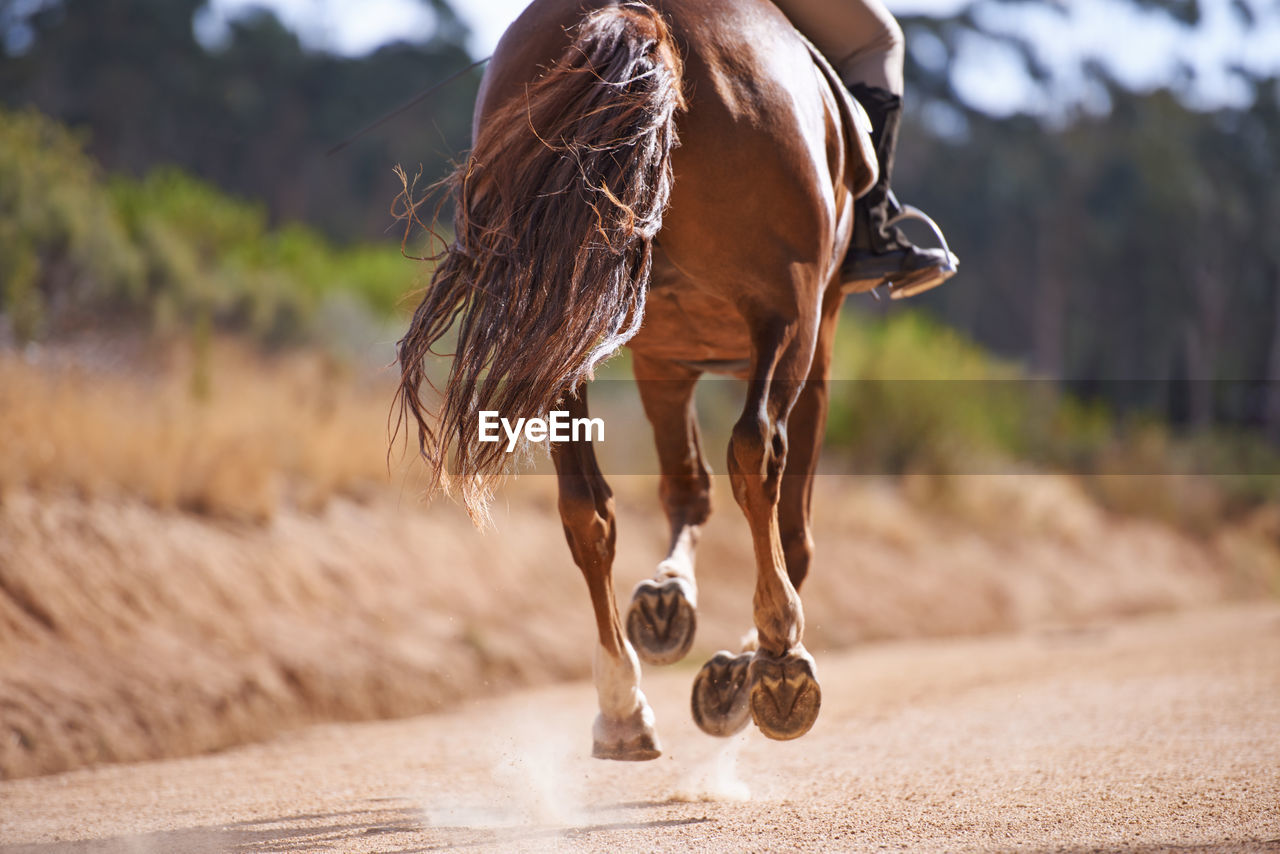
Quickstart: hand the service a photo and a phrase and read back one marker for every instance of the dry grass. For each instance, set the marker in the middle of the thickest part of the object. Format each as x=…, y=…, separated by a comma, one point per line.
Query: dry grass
x=235, y=435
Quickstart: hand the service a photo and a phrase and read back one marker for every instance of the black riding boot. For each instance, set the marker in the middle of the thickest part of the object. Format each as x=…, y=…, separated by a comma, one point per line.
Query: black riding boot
x=880, y=252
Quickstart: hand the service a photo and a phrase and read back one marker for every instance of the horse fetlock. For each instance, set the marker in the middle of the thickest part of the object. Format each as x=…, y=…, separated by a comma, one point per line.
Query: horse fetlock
x=719, y=699
x=617, y=680
x=778, y=612
x=632, y=738
x=784, y=696
x=679, y=568
x=662, y=619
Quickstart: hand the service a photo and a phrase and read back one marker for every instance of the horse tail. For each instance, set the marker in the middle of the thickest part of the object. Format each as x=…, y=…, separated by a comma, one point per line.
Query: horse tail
x=555, y=212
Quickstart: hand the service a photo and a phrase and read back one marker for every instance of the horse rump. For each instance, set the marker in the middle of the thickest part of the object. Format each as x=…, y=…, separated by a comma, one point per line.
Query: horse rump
x=555, y=212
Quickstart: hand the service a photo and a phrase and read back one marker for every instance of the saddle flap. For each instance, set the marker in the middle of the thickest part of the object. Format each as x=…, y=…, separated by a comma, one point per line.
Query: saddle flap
x=853, y=118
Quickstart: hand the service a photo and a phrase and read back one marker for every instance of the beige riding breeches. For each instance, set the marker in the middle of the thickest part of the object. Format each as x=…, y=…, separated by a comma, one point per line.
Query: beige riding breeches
x=860, y=38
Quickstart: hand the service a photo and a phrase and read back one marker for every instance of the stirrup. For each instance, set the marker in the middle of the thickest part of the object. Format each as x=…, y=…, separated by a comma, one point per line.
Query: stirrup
x=912, y=285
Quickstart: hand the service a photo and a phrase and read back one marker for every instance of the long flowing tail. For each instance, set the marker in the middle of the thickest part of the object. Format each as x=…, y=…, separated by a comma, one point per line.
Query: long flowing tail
x=556, y=210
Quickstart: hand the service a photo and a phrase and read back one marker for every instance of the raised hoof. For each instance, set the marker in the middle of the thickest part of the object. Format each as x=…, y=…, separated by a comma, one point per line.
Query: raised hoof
x=785, y=696
x=661, y=620
x=719, y=699
x=630, y=740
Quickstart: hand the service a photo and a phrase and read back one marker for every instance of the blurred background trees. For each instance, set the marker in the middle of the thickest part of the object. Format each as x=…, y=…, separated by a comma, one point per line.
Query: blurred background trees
x=1129, y=249
x=254, y=114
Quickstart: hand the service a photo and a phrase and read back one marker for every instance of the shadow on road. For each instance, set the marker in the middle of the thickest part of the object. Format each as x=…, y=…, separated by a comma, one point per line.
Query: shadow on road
x=406, y=830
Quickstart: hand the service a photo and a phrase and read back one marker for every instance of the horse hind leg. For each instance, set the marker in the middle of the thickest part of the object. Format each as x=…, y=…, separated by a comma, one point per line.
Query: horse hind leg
x=808, y=422
x=779, y=682
x=721, y=690
x=662, y=619
x=624, y=728
x=784, y=696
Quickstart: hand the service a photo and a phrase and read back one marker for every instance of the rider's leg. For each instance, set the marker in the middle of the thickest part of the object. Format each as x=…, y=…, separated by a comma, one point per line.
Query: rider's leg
x=860, y=38
x=865, y=45
x=879, y=250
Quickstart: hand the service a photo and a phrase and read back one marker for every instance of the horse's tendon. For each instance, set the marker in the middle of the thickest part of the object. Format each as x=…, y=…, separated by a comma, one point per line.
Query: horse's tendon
x=556, y=209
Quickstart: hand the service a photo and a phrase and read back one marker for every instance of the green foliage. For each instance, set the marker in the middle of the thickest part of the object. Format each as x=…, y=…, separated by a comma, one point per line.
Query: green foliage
x=255, y=115
x=1131, y=255
x=910, y=395
x=60, y=239
x=169, y=249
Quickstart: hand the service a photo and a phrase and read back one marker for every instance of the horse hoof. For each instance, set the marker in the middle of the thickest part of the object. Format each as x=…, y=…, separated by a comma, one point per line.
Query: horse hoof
x=719, y=699
x=629, y=740
x=785, y=696
x=661, y=620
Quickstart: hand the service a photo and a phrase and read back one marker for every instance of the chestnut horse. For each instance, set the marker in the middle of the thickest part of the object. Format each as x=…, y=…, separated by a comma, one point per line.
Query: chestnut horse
x=677, y=176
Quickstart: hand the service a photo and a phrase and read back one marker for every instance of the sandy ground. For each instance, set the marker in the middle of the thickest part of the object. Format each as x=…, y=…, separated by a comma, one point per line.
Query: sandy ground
x=1155, y=733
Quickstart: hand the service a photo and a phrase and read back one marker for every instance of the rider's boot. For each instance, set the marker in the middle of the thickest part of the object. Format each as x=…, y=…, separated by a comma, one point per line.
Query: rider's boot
x=879, y=251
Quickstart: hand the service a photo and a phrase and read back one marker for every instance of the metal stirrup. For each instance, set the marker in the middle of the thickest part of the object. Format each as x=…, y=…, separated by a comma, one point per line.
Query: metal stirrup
x=905, y=212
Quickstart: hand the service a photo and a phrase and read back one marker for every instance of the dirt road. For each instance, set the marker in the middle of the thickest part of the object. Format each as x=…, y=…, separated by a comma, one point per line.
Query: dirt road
x=1155, y=734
